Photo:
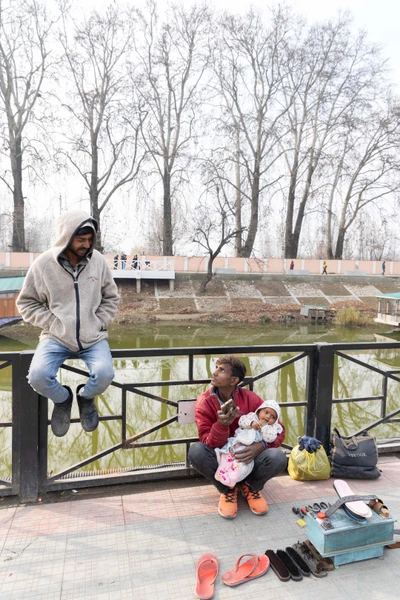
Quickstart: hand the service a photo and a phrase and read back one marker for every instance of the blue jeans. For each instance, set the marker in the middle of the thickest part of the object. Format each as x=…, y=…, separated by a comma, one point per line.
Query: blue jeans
x=50, y=355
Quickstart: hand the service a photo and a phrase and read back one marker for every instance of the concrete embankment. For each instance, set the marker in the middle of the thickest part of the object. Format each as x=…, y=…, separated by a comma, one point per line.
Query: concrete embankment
x=249, y=297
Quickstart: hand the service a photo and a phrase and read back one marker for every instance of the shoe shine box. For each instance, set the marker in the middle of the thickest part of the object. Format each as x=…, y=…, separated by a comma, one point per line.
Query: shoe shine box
x=350, y=541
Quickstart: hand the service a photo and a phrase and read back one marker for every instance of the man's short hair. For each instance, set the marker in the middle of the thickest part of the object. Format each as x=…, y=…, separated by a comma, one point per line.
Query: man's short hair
x=238, y=368
x=85, y=230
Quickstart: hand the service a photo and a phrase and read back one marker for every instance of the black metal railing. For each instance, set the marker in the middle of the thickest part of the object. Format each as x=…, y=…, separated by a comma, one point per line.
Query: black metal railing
x=30, y=475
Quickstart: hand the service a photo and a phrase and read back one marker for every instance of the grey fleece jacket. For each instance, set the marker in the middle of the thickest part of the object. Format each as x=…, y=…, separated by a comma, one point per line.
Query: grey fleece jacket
x=74, y=310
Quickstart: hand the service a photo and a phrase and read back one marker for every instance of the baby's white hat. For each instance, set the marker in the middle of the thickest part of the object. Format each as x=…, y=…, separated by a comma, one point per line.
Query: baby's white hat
x=271, y=404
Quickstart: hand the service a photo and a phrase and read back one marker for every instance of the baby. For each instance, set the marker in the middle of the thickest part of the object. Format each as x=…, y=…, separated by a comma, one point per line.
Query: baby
x=261, y=425
x=265, y=419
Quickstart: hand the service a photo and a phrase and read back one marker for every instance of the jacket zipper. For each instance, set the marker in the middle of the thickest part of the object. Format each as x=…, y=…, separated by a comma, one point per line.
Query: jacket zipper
x=75, y=276
x=77, y=299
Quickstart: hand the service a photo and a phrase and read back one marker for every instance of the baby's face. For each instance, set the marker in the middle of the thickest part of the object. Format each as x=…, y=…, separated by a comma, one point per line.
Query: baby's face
x=267, y=416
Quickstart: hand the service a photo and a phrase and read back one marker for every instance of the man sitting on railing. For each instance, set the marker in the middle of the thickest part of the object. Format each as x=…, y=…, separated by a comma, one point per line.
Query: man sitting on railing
x=69, y=292
x=215, y=427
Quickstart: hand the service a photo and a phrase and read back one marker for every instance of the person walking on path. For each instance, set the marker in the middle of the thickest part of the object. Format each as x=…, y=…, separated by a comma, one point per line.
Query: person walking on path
x=215, y=427
x=123, y=260
x=324, y=268
x=291, y=266
x=383, y=267
x=69, y=292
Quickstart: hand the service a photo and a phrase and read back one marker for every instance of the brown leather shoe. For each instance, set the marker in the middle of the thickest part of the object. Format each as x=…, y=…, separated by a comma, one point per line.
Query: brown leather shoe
x=255, y=500
x=227, y=506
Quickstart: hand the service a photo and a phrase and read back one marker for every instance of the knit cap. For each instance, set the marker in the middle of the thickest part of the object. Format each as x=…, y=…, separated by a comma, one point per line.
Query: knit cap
x=271, y=404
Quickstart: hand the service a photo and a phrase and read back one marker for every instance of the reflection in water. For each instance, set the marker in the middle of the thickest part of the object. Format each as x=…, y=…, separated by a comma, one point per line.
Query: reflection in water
x=285, y=385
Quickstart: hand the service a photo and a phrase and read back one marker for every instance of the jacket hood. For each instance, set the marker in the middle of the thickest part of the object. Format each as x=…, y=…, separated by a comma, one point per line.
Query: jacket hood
x=66, y=227
x=271, y=404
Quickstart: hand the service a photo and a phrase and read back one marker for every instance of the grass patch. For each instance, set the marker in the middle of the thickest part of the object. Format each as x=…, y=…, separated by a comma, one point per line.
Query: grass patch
x=350, y=317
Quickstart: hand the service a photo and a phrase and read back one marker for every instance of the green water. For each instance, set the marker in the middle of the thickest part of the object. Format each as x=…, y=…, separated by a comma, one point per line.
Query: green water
x=286, y=385
x=230, y=334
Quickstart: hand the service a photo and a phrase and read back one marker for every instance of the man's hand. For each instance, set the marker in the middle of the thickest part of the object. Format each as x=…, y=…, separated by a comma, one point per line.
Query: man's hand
x=248, y=453
x=228, y=418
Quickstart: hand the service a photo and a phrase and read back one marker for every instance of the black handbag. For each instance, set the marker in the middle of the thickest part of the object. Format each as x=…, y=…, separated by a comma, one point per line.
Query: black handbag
x=354, y=457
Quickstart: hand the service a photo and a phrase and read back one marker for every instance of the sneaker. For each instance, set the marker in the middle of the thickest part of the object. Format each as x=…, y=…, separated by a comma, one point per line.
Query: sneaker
x=87, y=411
x=61, y=416
x=227, y=506
x=256, y=501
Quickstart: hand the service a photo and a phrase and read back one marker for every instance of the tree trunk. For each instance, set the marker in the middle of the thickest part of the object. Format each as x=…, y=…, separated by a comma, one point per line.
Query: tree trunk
x=328, y=248
x=289, y=251
x=94, y=193
x=295, y=236
x=209, y=275
x=247, y=247
x=238, y=200
x=167, y=214
x=18, y=239
x=340, y=244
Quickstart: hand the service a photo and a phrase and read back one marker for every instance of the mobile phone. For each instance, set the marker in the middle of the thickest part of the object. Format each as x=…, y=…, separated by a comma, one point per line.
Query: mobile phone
x=228, y=406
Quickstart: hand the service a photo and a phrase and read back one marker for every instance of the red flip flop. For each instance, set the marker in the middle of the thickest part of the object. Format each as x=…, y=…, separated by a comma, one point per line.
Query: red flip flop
x=207, y=570
x=255, y=567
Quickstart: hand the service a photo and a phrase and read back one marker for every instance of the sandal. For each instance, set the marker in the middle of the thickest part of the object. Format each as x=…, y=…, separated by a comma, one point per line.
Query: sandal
x=206, y=573
x=255, y=567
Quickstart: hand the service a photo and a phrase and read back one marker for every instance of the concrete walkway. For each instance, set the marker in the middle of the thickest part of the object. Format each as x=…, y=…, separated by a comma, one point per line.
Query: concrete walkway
x=144, y=544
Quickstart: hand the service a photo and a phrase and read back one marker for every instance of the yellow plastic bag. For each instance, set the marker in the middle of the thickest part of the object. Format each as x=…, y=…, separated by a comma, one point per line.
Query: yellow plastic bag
x=304, y=466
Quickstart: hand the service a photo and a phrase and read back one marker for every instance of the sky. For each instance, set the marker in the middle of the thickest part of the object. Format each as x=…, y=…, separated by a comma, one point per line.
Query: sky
x=380, y=18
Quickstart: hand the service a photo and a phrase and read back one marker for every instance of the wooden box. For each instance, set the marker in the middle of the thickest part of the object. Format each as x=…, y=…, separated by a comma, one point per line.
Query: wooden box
x=350, y=541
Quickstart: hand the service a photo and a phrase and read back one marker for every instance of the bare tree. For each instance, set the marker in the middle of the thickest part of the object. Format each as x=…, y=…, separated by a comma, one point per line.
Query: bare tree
x=249, y=85
x=366, y=171
x=213, y=230
x=102, y=143
x=24, y=59
x=173, y=57
x=329, y=71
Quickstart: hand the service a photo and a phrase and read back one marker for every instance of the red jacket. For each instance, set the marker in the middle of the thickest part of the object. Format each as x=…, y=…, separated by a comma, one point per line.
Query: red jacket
x=211, y=432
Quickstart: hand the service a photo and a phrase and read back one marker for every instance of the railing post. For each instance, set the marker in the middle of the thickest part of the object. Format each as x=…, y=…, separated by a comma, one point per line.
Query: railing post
x=28, y=434
x=311, y=393
x=325, y=361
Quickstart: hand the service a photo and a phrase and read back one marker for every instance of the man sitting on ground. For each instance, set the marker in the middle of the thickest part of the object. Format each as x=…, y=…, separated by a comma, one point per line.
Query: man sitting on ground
x=215, y=427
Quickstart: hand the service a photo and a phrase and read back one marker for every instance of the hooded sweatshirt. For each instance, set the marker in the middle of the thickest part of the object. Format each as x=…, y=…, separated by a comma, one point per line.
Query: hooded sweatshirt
x=71, y=305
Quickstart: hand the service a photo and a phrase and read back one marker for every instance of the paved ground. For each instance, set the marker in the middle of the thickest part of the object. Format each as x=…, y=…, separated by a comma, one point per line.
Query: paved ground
x=145, y=544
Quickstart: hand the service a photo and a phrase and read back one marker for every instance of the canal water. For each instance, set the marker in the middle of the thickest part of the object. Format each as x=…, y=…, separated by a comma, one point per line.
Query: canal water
x=285, y=385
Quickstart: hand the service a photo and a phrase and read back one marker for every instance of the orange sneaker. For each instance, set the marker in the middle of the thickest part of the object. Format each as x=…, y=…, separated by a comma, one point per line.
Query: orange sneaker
x=227, y=506
x=256, y=502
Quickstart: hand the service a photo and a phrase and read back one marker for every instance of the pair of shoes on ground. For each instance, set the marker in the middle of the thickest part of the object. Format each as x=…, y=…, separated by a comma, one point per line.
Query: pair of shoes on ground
x=61, y=416
x=228, y=507
x=208, y=568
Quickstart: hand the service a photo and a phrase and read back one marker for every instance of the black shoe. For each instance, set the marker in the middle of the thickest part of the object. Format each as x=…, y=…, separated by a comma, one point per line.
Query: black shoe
x=87, y=411
x=61, y=417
